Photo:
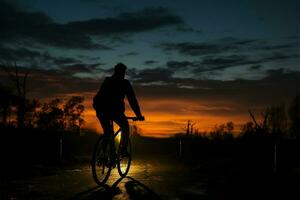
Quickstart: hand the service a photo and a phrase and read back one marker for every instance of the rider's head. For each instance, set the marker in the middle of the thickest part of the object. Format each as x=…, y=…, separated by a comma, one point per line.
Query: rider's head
x=120, y=70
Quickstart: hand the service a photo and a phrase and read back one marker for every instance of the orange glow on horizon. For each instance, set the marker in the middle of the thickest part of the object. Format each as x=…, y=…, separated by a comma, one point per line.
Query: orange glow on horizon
x=167, y=117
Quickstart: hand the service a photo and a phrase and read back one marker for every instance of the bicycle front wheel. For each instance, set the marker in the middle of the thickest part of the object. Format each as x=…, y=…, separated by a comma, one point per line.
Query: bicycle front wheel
x=124, y=161
x=101, y=161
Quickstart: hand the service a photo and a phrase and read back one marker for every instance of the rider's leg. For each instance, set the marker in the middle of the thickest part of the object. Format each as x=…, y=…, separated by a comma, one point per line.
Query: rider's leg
x=122, y=122
x=105, y=122
x=107, y=127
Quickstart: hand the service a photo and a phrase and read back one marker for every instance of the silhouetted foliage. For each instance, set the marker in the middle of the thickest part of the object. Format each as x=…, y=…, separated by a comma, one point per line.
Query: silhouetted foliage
x=19, y=81
x=294, y=114
x=73, y=110
x=30, y=118
x=7, y=99
x=59, y=115
x=223, y=131
x=247, y=129
x=277, y=122
x=51, y=115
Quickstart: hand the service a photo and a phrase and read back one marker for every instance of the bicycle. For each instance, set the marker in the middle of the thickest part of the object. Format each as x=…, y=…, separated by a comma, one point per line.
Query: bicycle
x=106, y=156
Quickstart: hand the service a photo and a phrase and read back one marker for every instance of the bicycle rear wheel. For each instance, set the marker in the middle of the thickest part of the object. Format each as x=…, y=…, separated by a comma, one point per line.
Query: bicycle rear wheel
x=124, y=161
x=101, y=161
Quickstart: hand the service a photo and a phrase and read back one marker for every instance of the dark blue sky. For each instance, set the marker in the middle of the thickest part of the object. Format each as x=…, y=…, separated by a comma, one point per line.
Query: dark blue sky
x=226, y=55
x=198, y=24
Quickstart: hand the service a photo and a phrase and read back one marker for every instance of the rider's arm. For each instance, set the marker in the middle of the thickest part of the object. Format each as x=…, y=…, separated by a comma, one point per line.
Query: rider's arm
x=132, y=100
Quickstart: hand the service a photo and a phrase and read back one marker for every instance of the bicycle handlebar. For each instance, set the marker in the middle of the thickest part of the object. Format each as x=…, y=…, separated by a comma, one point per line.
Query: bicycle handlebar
x=135, y=118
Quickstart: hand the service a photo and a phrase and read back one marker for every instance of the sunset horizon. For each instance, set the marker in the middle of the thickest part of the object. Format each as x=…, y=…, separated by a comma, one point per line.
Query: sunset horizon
x=149, y=99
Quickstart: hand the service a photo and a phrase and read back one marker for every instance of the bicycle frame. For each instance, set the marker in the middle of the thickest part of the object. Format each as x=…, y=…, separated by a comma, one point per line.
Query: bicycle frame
x=122, y=163
x=117, y=132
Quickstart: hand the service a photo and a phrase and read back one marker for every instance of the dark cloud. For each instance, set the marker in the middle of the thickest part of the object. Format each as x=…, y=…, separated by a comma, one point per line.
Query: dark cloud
x=281, y=46
x=192, y=49
x=226, y=45
x=81, y=67
x=280, y=56
x=181, y=65
x=255, y=67
x=32, y=56
x=277, y=86
x=17, y=24
x=51, y=83
x=152, y=75
x=215, y=97
x=20, y=25
x=206, y=48
x=129, y=54
x=188, y=29
x=215, y=63
x=283, y=75
x=212, y=63
x=150, y=62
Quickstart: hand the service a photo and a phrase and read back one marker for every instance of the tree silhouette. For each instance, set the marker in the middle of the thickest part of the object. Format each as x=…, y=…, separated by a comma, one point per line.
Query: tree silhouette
x=51, y=115
x=59, y=115
x=19, y=81
x=294, y=114
x=223, y=131
x=31, y=114
x=7, y=99
x=277, y=121
x=260, y=128
x=190, y=127
x=73, y=110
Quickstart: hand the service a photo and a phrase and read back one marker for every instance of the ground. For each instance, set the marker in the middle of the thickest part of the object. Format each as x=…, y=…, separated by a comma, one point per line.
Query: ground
x=159, y=177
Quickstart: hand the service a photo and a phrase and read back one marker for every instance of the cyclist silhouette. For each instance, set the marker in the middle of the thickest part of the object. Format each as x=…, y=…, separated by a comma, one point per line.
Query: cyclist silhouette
x=109, y=104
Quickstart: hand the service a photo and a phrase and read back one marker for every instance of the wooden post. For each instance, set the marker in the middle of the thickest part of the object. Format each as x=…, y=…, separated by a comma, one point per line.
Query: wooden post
x=180, y=147
x=60, y=149
x=275, y=159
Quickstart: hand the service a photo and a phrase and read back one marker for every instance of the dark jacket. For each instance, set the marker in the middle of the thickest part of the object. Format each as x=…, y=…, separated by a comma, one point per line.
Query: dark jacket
x=110, y=97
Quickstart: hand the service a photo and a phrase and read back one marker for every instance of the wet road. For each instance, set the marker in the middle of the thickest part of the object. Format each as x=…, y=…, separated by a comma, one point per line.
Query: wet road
x=156, y=178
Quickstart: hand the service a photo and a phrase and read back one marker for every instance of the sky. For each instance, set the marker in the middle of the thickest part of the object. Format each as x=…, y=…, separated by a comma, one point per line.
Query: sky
x=208, y=61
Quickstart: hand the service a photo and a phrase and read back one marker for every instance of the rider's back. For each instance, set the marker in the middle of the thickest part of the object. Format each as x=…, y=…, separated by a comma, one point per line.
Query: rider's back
x=110, y=97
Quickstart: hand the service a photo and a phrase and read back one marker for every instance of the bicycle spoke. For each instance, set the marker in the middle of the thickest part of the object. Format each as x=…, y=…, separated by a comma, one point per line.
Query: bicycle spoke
x=100, y=162
x=124, y=161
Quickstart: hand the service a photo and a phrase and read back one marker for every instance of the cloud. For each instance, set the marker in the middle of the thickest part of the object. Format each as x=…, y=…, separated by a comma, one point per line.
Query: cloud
x=45, y=84
x=129, y=54
x=228, y=45
x=255, y=67
x=30, y=57
x=280, y=56
x=281, y=46
x=152, y=75
x=20, y=25
x=213, y=100
x=206, y=48
x=150, y=62
x=276, y=86
x=221, y=62
x=181, y=65
x=188, y=29
x=82, y=68
x=213, y=63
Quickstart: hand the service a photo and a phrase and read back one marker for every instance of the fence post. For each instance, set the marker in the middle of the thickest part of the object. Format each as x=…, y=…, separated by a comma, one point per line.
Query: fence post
x=180, y=147
x=60, y=148
x=275, y=158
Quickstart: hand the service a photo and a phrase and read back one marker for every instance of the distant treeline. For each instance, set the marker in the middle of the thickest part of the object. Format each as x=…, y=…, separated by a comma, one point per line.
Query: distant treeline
x=279, y=121
x=58, y=114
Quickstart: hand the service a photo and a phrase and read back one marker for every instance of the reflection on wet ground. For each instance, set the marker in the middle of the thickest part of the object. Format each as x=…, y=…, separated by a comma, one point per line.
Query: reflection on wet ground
x=148, y=179
x=160, y=178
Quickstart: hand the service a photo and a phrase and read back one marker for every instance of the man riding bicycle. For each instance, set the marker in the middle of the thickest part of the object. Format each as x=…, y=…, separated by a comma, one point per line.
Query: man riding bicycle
x=109, y=104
